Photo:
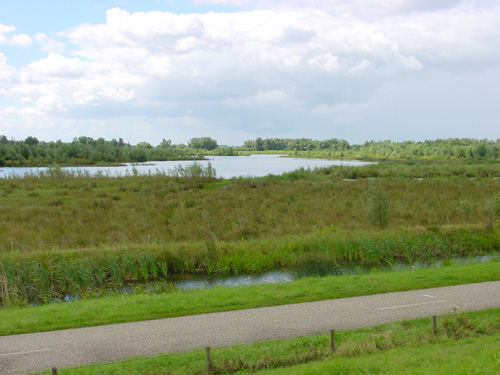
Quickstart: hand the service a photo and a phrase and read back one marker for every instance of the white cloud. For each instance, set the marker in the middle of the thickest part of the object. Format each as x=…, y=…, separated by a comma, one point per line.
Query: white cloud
x=289, y=63
x=48, y=44
x=6, y=39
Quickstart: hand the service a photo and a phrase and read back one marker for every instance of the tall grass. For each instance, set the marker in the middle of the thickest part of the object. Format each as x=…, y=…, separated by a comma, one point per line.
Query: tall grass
x=72, y=233
x=59, y=212
x=42, y=276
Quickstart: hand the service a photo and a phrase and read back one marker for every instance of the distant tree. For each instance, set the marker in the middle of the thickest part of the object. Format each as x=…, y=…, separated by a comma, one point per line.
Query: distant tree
x=259, y=144
x=205, y=143
x=144, y=145
x=31, y=141
x=138, y=155
x=165, y=143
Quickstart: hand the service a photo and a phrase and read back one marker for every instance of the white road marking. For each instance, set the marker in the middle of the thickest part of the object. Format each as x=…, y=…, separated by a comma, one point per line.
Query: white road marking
x=413, y=304
x=21, y=353
x=428, y=295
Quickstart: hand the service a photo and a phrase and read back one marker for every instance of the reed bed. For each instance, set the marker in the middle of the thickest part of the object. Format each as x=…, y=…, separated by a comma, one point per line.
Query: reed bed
x=42, y=277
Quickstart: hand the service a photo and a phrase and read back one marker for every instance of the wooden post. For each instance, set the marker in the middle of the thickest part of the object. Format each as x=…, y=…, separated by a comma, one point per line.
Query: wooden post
x=54, y=370
x=332, y=340
x=434, y=324
x=208, y=360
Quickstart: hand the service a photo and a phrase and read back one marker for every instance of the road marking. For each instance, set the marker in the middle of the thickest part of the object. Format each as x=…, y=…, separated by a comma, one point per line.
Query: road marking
x=414, y=304
x=21, y=353
x=428, y=295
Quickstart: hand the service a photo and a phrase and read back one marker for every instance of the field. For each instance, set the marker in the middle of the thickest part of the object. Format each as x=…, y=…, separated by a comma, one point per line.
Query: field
x=72, y=234
x=64, y=233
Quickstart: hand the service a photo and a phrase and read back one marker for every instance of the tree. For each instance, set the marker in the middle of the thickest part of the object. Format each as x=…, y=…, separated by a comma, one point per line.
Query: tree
x=165, y=143
x=377, y=213
x=31, y=141
x=144, y=145
x=259, y=144
x=205, y=143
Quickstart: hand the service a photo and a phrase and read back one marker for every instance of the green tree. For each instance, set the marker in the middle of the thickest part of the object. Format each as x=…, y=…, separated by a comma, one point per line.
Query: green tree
x=205, y=143
x=377, y=213
x=31, y=141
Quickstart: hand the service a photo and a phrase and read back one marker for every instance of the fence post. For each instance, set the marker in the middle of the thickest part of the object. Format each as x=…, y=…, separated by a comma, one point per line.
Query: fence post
x=208, y=360
x=12, y=246
x=54, y=370
x=434, y=324
x=332, y=340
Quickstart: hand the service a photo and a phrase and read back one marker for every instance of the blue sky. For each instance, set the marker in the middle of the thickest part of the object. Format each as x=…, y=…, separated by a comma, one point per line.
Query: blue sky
x=236, y=70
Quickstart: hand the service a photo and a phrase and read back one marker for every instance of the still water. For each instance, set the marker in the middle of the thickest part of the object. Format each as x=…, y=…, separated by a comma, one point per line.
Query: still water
x=225, y=166
x=190, y=281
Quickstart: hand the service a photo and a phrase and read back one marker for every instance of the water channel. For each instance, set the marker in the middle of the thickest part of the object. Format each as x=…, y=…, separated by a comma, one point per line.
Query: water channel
x=188, y=281
x=225, y=166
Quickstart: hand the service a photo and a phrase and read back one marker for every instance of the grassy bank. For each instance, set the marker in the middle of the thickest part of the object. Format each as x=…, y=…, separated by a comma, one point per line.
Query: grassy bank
x=464, y=343
x=126, y=308
x=42, y=276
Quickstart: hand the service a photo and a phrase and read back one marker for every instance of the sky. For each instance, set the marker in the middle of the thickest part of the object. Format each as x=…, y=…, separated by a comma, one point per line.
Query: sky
x=233, y=70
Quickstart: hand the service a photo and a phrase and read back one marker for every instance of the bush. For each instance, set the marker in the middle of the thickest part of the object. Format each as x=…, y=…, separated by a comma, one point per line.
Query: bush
x=377, y=213
x=496, y=205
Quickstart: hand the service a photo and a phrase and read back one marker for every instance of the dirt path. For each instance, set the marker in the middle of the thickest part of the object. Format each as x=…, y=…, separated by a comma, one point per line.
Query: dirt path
x=21, y=354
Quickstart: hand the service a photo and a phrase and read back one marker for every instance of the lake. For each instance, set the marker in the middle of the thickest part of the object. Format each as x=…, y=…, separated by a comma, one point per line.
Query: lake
x=225, y=166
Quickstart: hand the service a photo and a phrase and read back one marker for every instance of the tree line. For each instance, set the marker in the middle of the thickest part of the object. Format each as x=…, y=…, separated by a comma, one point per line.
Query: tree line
x=451, y=148
x=87, y=151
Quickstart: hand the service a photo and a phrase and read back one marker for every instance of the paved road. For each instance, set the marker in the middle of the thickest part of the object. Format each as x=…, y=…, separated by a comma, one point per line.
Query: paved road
x=22, y=354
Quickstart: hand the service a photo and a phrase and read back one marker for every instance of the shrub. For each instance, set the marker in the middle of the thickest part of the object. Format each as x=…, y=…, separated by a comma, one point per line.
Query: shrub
x=377, y=213
x=496, y=205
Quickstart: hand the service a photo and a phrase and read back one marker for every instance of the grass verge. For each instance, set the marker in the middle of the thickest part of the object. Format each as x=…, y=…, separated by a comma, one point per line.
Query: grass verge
x=121, y=308
x=464, y=343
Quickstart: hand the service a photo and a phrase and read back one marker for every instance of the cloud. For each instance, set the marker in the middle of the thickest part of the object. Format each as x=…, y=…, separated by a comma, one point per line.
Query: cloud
x=273, y=65
x=358, y=7
x=48, y=44
x=6, y=39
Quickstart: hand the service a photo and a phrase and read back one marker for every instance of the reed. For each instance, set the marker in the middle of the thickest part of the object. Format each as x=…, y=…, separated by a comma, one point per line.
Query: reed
x=43, y=276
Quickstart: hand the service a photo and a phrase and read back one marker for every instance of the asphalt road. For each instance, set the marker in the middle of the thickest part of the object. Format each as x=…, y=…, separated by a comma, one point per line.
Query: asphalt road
x=26, y=353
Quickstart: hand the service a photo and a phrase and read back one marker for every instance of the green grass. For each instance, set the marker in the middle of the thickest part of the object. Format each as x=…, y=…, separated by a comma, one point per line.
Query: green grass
x=464, y=343
x=120, y=308
x=76, y=234
x=469, y=356
x=87, y=212
x=43, y=276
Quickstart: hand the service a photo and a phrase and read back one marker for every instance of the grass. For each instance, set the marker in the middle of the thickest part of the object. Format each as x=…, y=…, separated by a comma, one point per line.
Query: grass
x=44, y=276
x=87, y=212
x=71, y=233
x=465, y=343
x=120, y=308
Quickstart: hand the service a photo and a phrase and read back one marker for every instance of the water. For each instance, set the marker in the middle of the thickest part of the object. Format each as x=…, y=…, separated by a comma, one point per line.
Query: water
x=225, y=166
x=192, y=281
x=189, y=281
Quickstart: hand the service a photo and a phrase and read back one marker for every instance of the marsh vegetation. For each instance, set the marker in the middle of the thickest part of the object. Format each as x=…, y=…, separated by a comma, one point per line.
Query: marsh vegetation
x=67, y=233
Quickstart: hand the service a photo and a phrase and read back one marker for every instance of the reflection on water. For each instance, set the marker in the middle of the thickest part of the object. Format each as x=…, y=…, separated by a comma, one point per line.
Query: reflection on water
x=188, y=281
x=191, y=281
x=225, y=166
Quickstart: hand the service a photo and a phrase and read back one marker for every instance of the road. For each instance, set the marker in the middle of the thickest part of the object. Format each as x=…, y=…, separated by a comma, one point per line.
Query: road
x=21, y=354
